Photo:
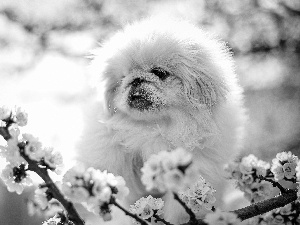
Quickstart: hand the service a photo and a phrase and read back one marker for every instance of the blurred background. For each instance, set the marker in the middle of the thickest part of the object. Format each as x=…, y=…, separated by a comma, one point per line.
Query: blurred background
x=44, y=46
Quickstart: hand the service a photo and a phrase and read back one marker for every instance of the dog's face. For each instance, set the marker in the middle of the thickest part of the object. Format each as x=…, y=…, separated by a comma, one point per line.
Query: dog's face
x=150, y=69
x=151, y=86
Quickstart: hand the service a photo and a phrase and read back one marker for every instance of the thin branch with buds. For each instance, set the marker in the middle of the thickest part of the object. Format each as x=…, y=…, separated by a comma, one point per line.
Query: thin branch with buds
x=157, y=218
x=262, y=207
x=187, y=209
x=115, y=203
x=275, y=184
x=43, y=173
x=267, y=205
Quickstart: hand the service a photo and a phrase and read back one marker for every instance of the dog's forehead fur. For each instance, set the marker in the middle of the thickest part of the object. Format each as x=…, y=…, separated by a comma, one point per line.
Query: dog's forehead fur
x=144, y=52
x=159, y=42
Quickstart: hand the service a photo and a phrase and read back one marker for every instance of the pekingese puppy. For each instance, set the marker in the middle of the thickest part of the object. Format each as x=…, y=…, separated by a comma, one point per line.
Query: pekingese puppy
x=165, y=84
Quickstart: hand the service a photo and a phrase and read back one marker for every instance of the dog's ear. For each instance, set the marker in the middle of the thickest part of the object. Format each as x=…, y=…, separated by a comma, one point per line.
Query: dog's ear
x=203, y=75
x=209, y=94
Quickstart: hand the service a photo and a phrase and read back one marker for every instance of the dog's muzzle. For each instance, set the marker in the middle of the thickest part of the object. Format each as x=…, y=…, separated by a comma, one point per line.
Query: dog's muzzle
x=140, y=95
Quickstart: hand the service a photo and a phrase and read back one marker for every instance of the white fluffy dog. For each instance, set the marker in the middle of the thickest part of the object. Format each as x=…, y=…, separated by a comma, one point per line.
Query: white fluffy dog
x=166, y=84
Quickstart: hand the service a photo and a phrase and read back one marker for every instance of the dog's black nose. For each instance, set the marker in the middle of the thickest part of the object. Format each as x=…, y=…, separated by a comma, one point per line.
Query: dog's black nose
x=139, y=96
x=136, y=82
x=161, y=73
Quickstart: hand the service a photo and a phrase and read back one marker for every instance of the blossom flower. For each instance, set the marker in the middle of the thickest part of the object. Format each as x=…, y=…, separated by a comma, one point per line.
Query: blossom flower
x=289, y=170
x=102, y=191
x=275, y=219
x=298, y=171
x=284, y=166
x=52, y=159
x=15, y=178
x=106, y=216
x=199, y=196
x=94, y=189
x=222, y=218
x=52, y=221
x=35, y=208
x=78, y=194
x=14, y=131
x=33, y=148
x=253, y=221
x=278, y=171
x=20, y=117
x=286, y=215
x=248, y=173
x=75, y=184
x=147, y=208
x=120, y=185
x=247, y=164
x=171, y=171
x=258, y=191
x=173, y=179
x=2, y=123
x=5, y=112
x=11, y=152
x=232, y=171
x=262, y=168
x=41, y=197
x=286, y=210
x=250, y=164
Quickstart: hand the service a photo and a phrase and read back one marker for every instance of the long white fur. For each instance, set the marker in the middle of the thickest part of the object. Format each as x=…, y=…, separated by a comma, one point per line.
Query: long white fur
x=200, y=108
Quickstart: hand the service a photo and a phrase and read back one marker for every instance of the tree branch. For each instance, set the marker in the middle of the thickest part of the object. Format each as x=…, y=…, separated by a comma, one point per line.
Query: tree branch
x=262, y=207
x=4, y=133
x=267, y=205
x=157, y=218
x=43, y=173
x=187, y=209
x=275, y=184
x=114, y=202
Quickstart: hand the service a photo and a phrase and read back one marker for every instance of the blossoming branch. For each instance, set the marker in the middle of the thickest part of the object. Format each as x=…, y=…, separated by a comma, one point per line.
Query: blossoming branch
x=172, y=172
x=27, y=154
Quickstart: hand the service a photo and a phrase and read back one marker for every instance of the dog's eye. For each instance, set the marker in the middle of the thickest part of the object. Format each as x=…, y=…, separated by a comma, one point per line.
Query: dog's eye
x=161, y=73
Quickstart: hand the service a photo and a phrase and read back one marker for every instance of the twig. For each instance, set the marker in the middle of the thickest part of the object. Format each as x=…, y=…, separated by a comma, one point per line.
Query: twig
x=192, y=215
x=43, y=173
x=262, y=207
x=162, y=220
x=267, y=205
x=293, y=180
x=275, y=184
x=4, y=133
x=198, y=222
x=114, y=202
